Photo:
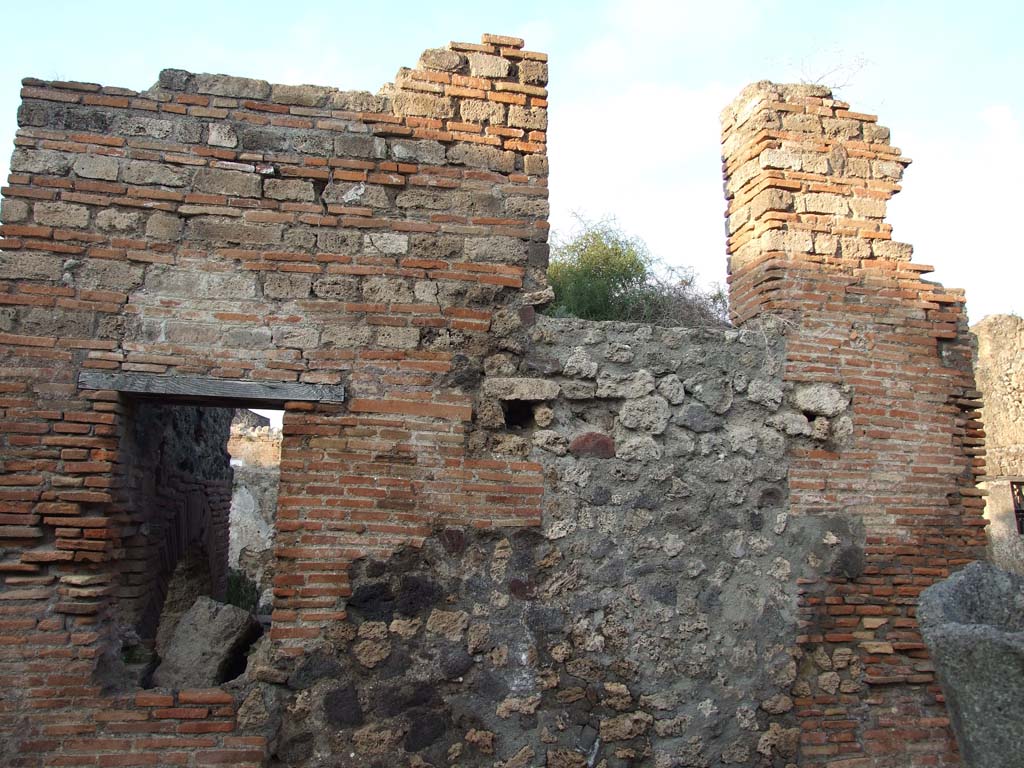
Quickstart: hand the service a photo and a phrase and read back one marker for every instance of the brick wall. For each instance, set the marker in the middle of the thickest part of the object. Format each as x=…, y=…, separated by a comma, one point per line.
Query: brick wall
x=227, y=227
x=396, y=244
x=807, y=182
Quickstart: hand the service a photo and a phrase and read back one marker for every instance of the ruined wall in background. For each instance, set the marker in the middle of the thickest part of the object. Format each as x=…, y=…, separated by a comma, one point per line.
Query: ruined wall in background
x=807, y=182
x=1001, y=381
x=255, y=449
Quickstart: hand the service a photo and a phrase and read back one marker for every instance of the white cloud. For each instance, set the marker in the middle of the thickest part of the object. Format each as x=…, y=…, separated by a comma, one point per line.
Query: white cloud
x=959, y=208
x=649, y=157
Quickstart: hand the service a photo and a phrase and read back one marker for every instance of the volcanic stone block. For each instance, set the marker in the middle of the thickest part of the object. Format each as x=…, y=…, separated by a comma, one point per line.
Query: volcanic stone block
x=207, y=647
x=973, y=623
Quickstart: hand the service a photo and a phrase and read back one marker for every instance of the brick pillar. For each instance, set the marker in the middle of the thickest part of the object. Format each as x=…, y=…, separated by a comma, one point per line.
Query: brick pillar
x=807, y=181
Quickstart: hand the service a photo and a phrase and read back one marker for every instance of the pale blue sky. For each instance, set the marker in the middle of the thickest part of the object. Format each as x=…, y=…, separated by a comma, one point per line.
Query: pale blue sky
x=636, y=88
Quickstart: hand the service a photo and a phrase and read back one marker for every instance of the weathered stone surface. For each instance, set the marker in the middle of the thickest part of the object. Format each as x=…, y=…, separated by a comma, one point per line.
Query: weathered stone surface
x=509, y=388
x=423, y=105
x=713, y=390
x=632, y=385
x=973, y=623
x=386, y=243
x=289, y=189
x=357, y=101
x=697, y=417
x=96, y=167
x=442, y=59
x=164, y=226
x=625, y=727
x=145, y=172
x=300, y=95
x=486, y=65
x=451, y=625
x=42, y=161
x=222, y=135
x=477, y=156
x=505, y=250
x=478, y=111
x=207, y=646
x=117, y=220
x=13, y=210
x=430, y=152
x=287, y=285
x=227, y=230
x=230, y=183
x=999, y=371
x=533, y=72
x=647, y=414
x=820, y=399
x=62, y=214
x=371, y=652
x=643, y=449
x=342, y=708
x=766, y=392
x=237, y=87
x=529, y=119
x=579, y=365
x=398, y=338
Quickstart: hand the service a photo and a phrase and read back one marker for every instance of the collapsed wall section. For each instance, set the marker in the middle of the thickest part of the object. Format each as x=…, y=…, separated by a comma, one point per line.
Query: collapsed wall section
x=650, y=622
x=807, y=182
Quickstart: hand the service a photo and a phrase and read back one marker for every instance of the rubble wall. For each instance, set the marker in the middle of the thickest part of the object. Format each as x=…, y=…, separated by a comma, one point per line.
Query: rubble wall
x=1000, y=379
x=651, y=621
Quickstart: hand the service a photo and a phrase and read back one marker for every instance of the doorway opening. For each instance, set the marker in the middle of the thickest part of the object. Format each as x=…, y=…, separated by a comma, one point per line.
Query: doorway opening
x=201, y=501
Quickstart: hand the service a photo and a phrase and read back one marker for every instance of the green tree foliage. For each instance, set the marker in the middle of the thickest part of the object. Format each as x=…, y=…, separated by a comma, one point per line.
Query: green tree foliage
x=604, y=274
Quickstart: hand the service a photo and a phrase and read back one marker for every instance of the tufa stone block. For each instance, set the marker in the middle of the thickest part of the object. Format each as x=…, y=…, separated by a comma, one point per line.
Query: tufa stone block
x=486, y=65
x=235, y=87
x=96, y=167
x=229, y=183
x=442, y=60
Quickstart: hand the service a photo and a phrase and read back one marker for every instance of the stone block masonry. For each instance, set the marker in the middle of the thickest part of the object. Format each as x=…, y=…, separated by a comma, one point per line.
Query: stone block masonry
x=518, y=541
x=223, y=227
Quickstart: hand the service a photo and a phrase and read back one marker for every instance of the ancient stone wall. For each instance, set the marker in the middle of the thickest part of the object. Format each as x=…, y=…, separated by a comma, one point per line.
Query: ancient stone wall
x=229, y=228
x=517, y=541
x=667, y=557
x=807, y=182
x=1001, y=382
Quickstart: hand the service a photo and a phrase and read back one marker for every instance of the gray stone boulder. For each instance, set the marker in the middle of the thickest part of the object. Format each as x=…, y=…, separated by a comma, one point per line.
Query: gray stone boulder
x=973, y=624
x=208, y=646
